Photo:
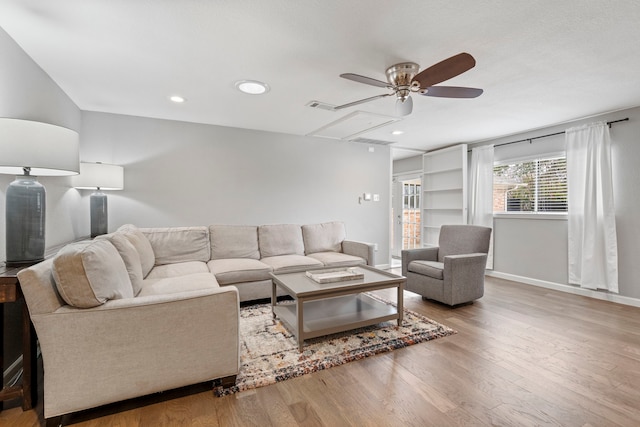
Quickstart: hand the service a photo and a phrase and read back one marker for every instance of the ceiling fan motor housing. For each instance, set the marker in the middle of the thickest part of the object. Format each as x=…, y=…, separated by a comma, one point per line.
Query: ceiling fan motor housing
x=400, y=76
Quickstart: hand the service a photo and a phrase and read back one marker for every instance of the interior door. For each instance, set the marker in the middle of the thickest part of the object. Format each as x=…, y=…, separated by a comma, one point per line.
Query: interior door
x=406, y=213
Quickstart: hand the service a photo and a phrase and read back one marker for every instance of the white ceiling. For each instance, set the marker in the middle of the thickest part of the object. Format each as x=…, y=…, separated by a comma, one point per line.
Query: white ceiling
x=539, y=62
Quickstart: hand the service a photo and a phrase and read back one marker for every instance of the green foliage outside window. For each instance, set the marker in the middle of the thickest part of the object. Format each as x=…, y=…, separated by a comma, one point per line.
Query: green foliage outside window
x=532, y=186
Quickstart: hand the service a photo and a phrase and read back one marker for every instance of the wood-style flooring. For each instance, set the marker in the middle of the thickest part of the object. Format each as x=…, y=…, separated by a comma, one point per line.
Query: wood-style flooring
x=523, y=356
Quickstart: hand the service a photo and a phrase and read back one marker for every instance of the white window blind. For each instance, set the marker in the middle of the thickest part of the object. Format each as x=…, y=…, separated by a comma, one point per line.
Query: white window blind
x=534, y=186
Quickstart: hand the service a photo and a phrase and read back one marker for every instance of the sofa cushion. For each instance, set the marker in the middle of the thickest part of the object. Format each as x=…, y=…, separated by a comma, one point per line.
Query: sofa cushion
x=88, y=274
x=238, y=270
x=291, y=262
x=170, y=285
x=234, y=241
x=179, y=244
x=280, y=239
x=427, y=268
x=142, y=245
x=178, y=269
x=337, y=259
x=130, y=257
x=326, y=237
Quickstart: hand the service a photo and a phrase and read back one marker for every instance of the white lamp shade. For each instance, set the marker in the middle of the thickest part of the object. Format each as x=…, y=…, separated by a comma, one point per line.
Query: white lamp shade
x=99, y=175
x=48, y=150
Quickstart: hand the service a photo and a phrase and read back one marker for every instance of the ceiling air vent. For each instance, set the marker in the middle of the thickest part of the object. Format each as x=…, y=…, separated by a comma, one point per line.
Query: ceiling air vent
x=370, y=141
x=321, y=105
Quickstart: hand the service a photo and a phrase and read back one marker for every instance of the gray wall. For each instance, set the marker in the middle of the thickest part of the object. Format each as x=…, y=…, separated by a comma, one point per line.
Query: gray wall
x=26, y=92
x=537, y=248
x=179, y=173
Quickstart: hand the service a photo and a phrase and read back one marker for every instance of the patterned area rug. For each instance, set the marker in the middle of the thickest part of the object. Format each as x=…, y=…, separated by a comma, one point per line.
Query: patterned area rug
x=269, y=352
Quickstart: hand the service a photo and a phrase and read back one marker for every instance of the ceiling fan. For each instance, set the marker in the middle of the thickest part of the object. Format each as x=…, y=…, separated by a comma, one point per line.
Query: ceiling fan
x=404, y=78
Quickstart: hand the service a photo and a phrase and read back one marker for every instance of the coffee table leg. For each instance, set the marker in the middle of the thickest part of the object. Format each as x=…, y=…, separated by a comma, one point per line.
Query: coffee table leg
x=300, y=327
x=273, y=298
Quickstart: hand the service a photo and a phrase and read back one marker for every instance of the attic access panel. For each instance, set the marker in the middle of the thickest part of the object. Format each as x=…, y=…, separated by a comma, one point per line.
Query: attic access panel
x=354, y=124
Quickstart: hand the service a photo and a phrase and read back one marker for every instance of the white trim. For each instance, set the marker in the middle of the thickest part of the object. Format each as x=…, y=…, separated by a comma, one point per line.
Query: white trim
x=417, y=173
x=552, y=155
x=531, y=215
x=601, y=295
x=383, y=266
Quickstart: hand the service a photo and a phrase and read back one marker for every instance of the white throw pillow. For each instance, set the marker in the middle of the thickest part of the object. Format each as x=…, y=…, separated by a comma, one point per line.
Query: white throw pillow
x=142, y=245
x=130, y=257
x=88, y=274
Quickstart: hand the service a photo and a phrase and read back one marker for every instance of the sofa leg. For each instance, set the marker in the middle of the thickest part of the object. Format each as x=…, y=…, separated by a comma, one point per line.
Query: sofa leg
x=54, y=421
x=229, y=381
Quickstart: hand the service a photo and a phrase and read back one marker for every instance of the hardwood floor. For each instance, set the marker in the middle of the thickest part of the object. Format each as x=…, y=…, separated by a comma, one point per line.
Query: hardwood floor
x=523, y=356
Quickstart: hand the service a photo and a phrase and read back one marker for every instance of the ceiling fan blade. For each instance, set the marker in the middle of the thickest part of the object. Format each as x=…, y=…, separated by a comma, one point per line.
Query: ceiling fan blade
x=362, y=101
x=404, y=108
x=453, y=92
x=445, y=70
x=366, y=80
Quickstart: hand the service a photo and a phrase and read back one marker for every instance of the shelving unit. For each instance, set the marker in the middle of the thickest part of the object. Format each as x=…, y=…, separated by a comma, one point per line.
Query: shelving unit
x=444, y=187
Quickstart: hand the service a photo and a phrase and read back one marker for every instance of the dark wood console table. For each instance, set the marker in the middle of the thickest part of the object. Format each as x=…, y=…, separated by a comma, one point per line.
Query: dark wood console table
x=10, y=293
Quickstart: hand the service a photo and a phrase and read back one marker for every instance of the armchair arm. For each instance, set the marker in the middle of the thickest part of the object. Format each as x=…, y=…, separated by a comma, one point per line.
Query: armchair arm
x=424, y=254
x=137, y=346
x=363, y=250
x=467, y=272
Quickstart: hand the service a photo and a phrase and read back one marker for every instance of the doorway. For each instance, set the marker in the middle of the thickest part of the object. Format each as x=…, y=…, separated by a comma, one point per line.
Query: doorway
x=406, y=199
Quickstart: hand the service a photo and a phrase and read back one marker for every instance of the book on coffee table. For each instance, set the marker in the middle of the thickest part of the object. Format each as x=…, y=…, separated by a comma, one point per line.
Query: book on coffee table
x=335, y=275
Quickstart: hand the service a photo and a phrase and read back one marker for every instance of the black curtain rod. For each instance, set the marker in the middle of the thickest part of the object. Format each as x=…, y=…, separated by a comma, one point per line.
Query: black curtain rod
x=553, y=134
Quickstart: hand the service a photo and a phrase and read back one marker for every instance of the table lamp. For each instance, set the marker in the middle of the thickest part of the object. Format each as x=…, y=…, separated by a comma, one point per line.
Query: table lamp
x=29, y=149
x=98, y=177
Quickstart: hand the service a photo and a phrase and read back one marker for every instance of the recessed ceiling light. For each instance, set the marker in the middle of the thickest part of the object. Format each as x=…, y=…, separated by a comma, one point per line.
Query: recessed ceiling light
x=397, y=132
x=252, y=87
x=177, y=99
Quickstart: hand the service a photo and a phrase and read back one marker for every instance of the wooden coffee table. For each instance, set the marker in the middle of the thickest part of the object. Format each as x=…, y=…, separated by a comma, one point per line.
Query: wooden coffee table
x=327, y=308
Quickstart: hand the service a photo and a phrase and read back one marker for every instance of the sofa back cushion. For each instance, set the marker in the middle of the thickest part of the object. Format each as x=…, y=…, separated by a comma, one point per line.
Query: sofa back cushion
x=178, y=244
x=88, y=274
x=234, y=241
x=280, y=239
x=142, y=245
x=130, y=257
x=325, y=237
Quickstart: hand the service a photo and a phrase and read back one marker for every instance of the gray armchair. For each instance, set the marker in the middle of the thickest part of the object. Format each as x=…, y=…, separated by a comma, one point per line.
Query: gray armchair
x=452, y=272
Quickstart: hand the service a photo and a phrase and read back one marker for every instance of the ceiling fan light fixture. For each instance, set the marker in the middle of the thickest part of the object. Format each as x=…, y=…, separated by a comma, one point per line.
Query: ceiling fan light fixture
x=404, y=107
x=252, y=87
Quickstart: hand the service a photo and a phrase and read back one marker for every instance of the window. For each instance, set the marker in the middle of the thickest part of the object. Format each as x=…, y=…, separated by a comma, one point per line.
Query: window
x=534, y=186
x=411, y=214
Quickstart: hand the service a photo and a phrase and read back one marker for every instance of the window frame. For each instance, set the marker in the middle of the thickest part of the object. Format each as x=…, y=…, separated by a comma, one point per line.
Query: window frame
x=531, y=214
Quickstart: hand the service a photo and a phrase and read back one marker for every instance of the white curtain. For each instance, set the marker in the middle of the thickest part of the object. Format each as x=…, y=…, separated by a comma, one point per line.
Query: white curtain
x=481, y=191
x=593, y=247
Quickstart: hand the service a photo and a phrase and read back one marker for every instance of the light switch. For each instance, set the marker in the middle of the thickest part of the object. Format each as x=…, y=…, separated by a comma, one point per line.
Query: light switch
x=376, y=197
x=366, y=197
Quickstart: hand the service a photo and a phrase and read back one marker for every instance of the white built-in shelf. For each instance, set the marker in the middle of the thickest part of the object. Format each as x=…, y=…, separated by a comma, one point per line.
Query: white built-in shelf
x=432, y=172
x=444, y=182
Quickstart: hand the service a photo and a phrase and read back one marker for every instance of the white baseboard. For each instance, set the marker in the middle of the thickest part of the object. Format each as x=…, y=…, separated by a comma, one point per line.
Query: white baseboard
x=383, y=266
x=602, y=295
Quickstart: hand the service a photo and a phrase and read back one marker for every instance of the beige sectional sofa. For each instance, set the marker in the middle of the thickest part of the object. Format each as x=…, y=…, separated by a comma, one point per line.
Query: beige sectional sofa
x=144, y=310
